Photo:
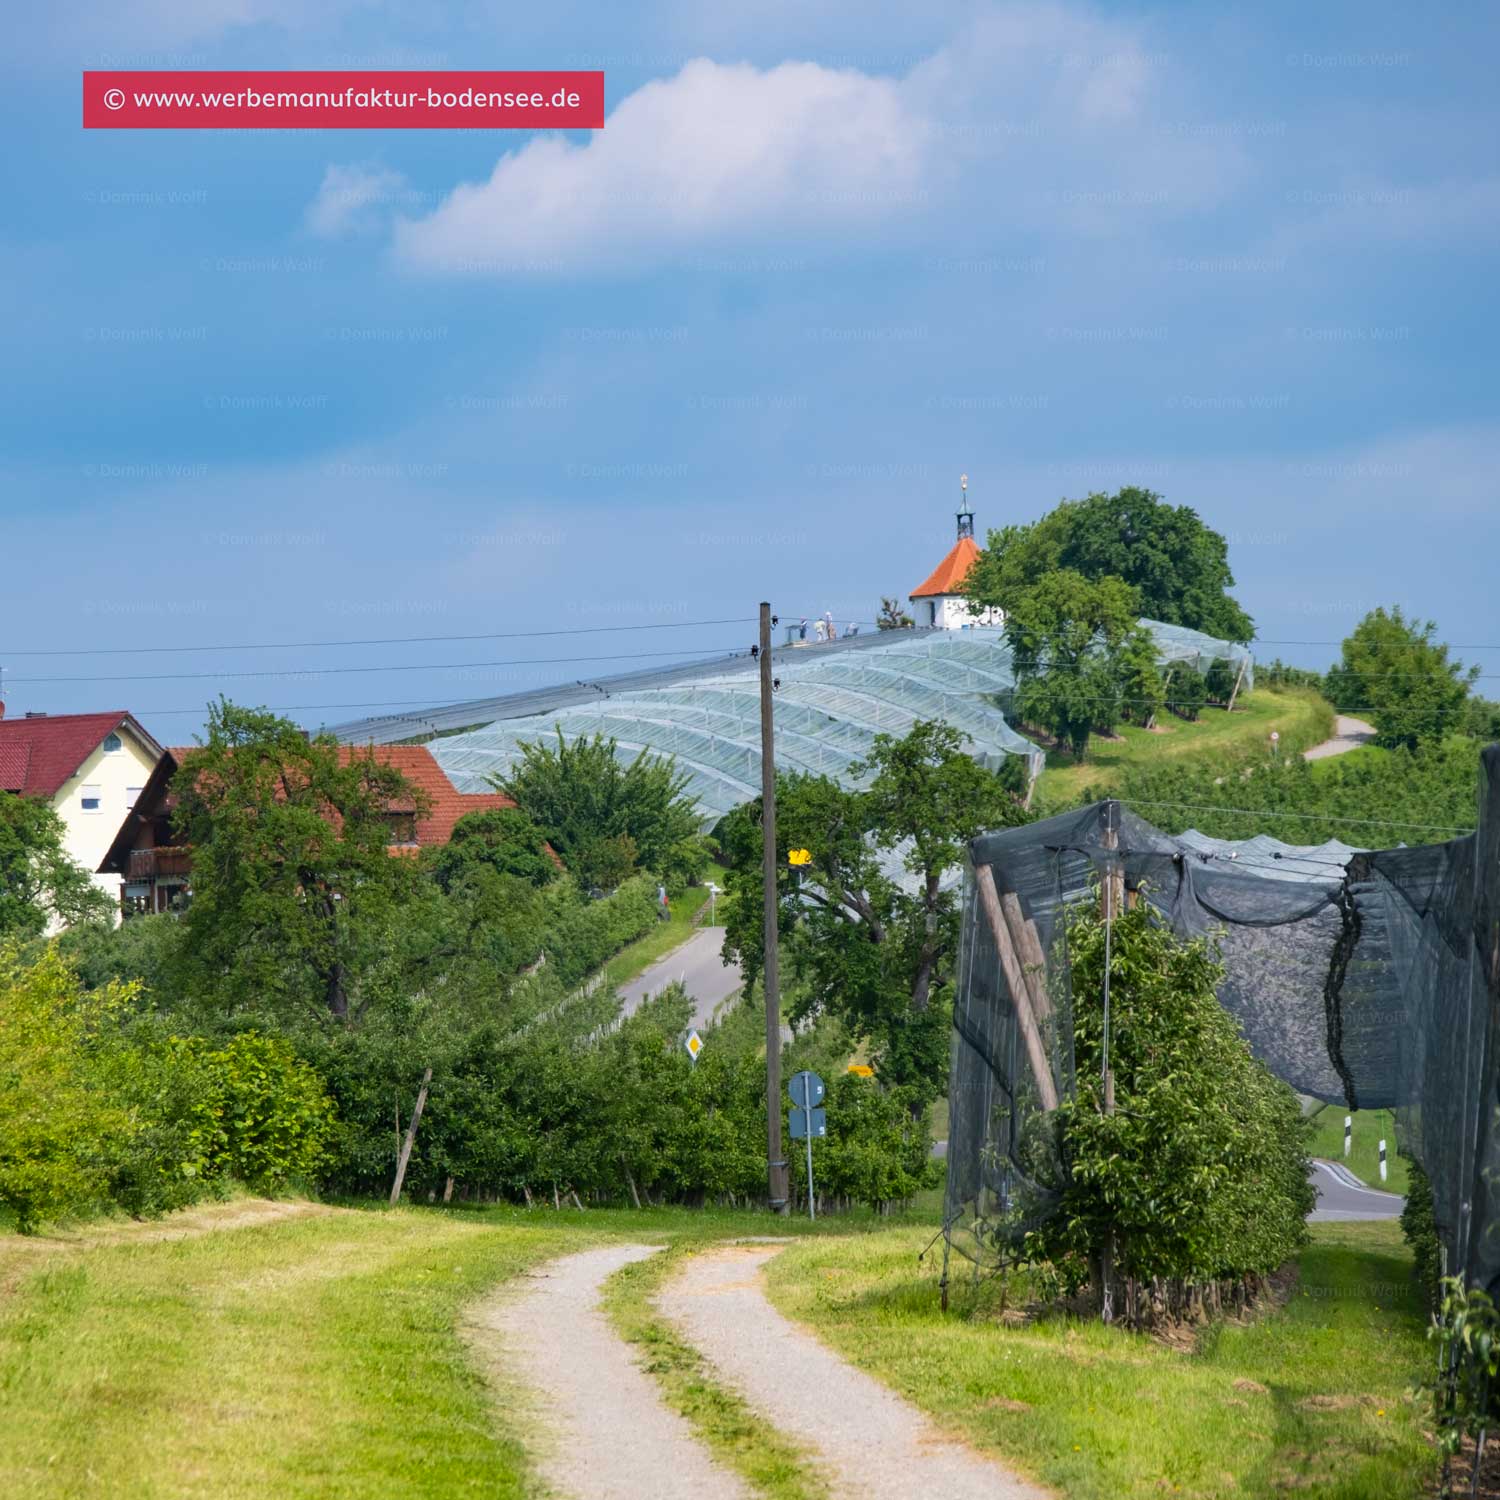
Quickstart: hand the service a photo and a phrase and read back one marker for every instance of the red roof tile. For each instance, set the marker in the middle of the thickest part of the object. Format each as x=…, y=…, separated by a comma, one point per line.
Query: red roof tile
x=448, y=804
x=39, y=756
x=949, y=575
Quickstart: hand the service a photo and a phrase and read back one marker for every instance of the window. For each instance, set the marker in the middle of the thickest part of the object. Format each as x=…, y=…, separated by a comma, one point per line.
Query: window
x=90, y=799
x=112, y=742
x=131, y=793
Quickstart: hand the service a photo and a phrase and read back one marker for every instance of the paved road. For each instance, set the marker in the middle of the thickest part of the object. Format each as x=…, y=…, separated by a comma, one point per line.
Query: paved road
x=1348, y=734
x=1341, y=1195
x=698, y=966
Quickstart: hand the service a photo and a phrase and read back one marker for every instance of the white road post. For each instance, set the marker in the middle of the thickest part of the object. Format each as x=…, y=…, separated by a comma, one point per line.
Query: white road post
x=1382, y=1161
x=1348, y=1134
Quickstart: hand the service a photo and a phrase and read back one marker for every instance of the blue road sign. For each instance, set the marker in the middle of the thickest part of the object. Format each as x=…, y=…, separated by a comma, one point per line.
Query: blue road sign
x=806, y=1088
x=799, y=1121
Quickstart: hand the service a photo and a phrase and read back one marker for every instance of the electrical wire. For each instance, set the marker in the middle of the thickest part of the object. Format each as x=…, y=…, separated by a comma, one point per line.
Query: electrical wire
x=394, y=640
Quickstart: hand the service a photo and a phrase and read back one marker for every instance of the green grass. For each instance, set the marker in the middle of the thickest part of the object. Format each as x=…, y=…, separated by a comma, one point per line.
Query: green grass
x=1313, y=1398
x=1303, y=719
x=1371, y=1126
x=773, y=1465
x=314, y=1356
x=635, y=958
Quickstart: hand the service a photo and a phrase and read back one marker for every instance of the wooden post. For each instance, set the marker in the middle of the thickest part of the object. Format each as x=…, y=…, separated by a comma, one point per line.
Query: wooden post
x=411, y=1135
x=1028, y=946
x=1016, y=981
x=778, y=1173
x=1244, y=662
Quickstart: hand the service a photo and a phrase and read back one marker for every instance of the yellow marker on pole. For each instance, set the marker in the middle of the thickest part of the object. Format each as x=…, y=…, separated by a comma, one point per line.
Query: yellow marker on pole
x=799, y=856
x=862, y=1070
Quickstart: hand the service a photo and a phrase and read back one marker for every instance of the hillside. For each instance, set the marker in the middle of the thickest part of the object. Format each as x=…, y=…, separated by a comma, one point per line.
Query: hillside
x=1301, y=717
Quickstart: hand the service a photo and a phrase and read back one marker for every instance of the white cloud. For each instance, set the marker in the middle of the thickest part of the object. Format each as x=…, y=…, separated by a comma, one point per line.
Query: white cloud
x=1026, y=100
x=356, y=198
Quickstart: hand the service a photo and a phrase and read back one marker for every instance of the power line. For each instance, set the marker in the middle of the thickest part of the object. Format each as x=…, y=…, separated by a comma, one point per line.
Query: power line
x=448, y=666
x=394, y=640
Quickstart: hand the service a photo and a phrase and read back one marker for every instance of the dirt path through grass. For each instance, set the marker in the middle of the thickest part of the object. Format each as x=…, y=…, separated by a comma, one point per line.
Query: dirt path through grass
x=606, y=1432
x=872, y=1443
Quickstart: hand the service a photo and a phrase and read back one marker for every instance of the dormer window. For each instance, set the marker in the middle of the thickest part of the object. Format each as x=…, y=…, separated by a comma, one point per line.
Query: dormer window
x=112, y=742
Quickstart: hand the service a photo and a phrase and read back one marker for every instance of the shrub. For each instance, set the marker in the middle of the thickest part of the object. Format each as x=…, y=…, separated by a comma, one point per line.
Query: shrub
x=1187, y=692
x=1200, y=1173
x=1219, y=681
x=272, y=1117
x=1419, y=1228
x=57, y=1118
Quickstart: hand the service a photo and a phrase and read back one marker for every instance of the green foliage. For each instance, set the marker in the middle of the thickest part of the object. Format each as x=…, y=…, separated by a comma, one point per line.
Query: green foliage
x=56, y=1120
x=1187, y=691
x=1422, y=793
x=605, y=817
x=862, y=947
x=1278, y=673
x=38, y=879
x=1200, y=1173
x=877, y=1150
x=1219, y=680
x=1177, y=566
x=504, y=840
x=892, y=616
x=297, y=905
x=143, y=949
x=1466, y=1393
x=1143, y=689
x=1419, y=1229
x=1070, y=637
x=1393, y=671
x=271, y=1116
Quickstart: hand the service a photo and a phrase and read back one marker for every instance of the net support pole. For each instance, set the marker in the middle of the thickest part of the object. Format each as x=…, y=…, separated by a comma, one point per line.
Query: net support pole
x=1028, y=946
x=777, y=1174
x=1244, y=662
x=1015, y=979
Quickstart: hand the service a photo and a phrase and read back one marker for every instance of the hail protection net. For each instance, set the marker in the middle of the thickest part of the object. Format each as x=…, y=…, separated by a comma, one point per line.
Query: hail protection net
x=1362, y=978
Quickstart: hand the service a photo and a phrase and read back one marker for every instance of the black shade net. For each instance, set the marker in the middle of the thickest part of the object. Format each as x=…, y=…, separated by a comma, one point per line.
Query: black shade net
x=1366, y=979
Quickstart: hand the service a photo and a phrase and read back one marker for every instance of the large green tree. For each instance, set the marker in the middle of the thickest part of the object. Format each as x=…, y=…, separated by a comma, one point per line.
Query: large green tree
x=39, y=881
x=606, y=817
x=296, y=898
x=1075, y=646
x=1178, y=566
x=870, y=927
x=1393, y=670
x=504, y=840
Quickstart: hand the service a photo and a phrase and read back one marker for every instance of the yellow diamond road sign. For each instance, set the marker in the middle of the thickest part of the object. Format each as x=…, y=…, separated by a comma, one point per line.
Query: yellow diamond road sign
x=694, y=1045
x=799, y=856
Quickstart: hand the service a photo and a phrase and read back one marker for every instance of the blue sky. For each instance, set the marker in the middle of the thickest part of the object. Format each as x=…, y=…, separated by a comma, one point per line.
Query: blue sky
x=308, y=386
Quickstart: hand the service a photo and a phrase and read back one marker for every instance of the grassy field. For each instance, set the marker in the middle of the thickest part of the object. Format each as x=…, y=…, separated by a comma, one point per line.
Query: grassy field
x=1302, y=719
x=297, y=1350
x=1312, y=1399
x=1371, y=1126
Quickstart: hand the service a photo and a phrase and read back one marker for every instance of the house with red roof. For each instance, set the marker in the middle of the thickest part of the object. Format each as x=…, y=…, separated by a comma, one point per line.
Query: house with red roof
x=91, y=768
x=939, y=601
x=155, y=868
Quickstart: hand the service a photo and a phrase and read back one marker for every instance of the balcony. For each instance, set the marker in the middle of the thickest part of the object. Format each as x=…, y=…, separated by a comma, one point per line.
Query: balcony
x=148, y=864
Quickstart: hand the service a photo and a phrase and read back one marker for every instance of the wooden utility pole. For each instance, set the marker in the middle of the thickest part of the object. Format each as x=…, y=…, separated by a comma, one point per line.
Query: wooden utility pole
x=411, y=1135
x=777, y=1175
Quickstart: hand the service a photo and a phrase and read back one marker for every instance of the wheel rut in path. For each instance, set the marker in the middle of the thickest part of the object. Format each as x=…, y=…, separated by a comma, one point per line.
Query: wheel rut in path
x=604, y=1432
x=871, y=1442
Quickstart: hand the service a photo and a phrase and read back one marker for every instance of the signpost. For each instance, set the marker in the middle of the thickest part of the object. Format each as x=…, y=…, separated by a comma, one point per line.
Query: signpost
x=694, y=1044
x=808, y=1120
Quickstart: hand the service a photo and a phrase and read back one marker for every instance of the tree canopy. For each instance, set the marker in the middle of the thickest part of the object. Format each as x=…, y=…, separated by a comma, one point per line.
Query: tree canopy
x=1392, y=670
x=1178, y=566
x=861, y=944
x=39, y=881
x=1075, y=646
x=295, y=894
x=606, y=817
x=504, y=840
